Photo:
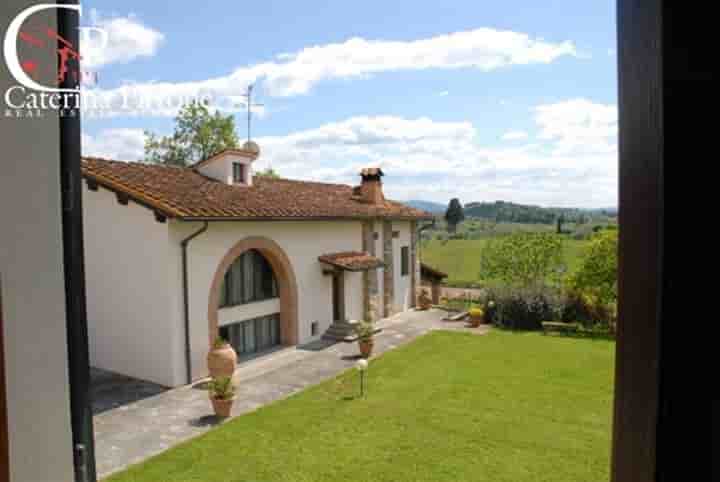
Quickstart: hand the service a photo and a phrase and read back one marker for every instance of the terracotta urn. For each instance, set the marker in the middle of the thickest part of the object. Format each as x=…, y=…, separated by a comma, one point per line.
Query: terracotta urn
x=221, y=360
x=222, y=407
x=424, y=301
x=366, y=347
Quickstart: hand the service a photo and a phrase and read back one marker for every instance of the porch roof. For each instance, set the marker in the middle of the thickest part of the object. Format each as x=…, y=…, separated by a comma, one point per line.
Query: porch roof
x=432, y=273
x=351, y=260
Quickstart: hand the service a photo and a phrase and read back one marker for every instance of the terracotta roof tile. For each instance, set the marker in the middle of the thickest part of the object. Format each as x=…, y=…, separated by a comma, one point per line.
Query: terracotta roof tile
x=184, y=193
x=352, y=260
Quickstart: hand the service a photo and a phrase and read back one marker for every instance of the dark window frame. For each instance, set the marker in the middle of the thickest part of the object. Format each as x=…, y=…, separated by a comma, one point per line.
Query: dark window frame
x=239, y=173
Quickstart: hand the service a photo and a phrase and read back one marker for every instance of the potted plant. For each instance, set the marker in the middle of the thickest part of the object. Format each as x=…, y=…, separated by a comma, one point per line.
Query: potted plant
x=424, y=300
x=365, y=331
x=222, y=395
x=477, y=316
x=221, y=359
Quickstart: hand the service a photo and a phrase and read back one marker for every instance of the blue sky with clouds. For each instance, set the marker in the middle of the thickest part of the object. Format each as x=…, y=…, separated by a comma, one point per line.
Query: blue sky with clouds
x=483, y=100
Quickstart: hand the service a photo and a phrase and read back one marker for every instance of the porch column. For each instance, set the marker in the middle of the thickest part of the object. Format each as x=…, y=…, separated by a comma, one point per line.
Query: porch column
x=370, y=277
x=414, y=266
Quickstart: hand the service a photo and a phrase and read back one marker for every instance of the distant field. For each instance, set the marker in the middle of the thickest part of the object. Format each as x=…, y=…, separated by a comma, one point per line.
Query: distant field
x=460, y=258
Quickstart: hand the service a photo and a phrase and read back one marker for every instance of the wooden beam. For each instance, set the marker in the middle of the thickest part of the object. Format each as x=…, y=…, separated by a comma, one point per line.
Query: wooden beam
x=92, y=184
x=122, y=198
x=640, y=214
x=160, y=217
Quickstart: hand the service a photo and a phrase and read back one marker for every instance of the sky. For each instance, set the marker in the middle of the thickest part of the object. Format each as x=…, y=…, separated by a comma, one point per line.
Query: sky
x=480, y=100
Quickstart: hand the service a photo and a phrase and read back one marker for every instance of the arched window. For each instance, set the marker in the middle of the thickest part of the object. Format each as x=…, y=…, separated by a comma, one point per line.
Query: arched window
x=249, y=278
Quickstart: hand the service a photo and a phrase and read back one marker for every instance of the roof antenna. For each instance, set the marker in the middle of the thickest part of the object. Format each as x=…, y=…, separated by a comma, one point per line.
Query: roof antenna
x=250, y=105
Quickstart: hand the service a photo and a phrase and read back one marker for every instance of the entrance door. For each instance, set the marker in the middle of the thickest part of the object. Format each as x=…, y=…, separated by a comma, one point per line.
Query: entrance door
x=336, y=298
x=248, y=337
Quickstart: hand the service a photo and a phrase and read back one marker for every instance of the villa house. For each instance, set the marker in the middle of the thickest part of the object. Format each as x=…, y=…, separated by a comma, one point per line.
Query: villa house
x=177, y=256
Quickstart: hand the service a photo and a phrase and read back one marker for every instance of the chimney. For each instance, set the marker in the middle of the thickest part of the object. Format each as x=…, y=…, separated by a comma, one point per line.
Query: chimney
x=371, y=186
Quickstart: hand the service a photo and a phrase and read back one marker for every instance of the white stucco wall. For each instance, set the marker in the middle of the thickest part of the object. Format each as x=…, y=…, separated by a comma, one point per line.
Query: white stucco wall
x=33, y=288
x=221, y=168
x=132, y=329
x=402, y=283
x=135, y=295
x=379, y=307
x=302, y=242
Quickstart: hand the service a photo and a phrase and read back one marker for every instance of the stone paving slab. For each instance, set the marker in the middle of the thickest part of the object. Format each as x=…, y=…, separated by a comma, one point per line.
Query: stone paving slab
x=131, y=433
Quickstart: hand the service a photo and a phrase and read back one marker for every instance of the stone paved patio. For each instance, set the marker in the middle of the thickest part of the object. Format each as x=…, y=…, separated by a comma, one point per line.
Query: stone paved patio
x=131, y=433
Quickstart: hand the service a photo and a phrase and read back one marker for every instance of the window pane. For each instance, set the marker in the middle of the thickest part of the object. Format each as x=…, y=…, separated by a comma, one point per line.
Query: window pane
x=236, y=284
x=249, y=278
x=258, y=265
x=247, y=266
x=249, y=327
x=275, y=330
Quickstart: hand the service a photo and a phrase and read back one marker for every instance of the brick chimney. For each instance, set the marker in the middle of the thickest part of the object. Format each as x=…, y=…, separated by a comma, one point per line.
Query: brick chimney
x=371, y=186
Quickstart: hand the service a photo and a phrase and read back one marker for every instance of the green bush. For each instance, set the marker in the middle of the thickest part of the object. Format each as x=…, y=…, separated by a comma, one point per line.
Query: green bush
x=597, y=274
x=588, y=309
x=523, y=308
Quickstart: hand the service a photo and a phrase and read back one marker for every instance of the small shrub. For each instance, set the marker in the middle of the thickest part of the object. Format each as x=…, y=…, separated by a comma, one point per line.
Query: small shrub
x=365, y=330
x=221, y=388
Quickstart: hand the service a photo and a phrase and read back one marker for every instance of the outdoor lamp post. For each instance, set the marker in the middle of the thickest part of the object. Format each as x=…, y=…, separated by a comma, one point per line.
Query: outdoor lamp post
x=362, y=366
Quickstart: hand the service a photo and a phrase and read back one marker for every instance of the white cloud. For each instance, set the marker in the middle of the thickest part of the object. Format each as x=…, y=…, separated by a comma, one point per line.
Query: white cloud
x=579, y=125
x=297, y=73
x=119, y=143
x=484, y=48
x=444, y=93
x=427, y=159
x=514, y=135
x=127, y=39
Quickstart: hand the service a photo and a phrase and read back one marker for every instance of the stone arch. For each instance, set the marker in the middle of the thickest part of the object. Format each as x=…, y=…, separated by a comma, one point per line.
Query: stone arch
x=284, y=275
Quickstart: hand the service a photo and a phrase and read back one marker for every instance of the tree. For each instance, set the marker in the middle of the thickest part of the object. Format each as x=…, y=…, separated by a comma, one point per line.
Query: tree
x=560, y=221
x=523, y=259
x=198, y=135
x=597, y=274
x=454, y=214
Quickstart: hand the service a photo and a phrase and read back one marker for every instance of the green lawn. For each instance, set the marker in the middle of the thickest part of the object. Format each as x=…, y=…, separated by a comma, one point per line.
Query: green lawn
x=447, y=407
x=460, y=258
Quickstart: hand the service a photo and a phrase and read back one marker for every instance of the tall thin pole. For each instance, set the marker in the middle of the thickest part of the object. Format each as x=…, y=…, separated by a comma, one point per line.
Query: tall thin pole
x=249, y=105
x=249, y=110
x=73, y=265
